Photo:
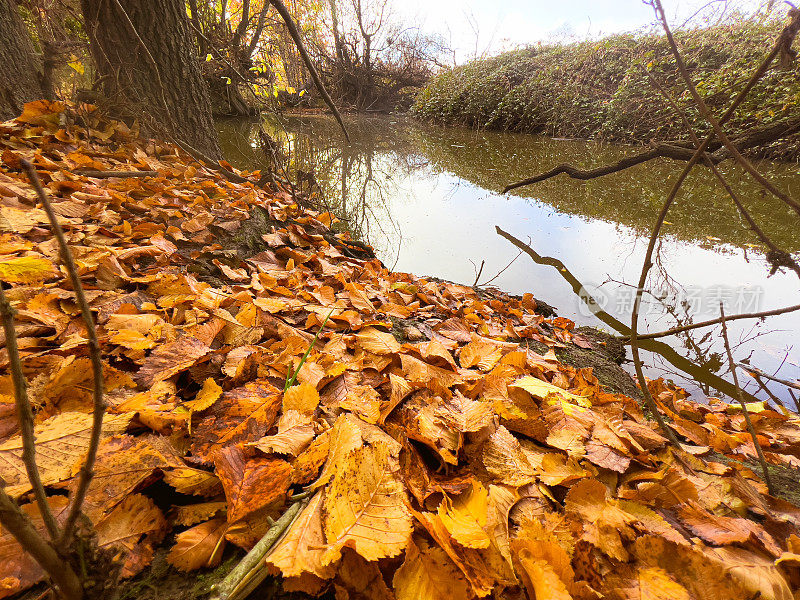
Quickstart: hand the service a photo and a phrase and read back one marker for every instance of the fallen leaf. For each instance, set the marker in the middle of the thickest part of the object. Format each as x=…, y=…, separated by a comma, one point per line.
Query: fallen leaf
x=199, y=547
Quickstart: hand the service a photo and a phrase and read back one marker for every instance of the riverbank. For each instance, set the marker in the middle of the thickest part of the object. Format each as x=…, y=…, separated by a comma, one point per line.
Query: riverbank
x=433, y=429
x=600, y=90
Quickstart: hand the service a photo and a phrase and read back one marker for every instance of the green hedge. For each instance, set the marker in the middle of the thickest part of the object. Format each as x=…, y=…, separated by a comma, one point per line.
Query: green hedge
x=599, y=89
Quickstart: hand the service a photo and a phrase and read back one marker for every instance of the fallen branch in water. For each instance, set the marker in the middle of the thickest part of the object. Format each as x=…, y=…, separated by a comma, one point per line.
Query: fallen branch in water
x=665, y=350
x=682, y=328
x=760, y=373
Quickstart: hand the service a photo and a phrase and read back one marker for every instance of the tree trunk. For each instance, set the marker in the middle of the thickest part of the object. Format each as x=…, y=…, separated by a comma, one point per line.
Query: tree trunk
x=20, y=70
x=144, y=55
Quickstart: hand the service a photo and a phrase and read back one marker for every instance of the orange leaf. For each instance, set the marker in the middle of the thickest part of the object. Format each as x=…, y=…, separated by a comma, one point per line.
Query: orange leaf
x=198, y=547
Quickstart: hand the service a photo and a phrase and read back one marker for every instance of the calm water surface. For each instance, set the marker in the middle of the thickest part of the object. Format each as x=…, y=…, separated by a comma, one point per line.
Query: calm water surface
x=427, y=198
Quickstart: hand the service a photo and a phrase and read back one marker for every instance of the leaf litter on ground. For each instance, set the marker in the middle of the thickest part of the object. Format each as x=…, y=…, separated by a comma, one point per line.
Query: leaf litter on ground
x=458, y=465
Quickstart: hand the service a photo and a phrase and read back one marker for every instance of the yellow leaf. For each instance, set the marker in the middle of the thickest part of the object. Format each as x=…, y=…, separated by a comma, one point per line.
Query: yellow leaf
x=429, y=574
x=76, y=66
x=541, y=389
x=26, y=269
x=302, y=548
x=197, y=482
x=466, y=515
x=376, y=341
x=303, y=398
x=365, y=506
x=541, y=580
x=209, y=394
x=131, y=339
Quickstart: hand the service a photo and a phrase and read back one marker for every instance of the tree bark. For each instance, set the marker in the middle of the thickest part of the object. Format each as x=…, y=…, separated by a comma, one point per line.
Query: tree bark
x=144, y=56
x=20, y=69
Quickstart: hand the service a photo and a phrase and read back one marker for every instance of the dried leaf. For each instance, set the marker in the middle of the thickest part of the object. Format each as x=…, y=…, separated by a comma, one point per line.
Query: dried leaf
x=365, y=506
x=61, y=441
x=428, y=574
x=199, y=547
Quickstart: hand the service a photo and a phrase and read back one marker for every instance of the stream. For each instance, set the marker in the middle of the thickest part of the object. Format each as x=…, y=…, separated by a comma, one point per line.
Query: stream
x=427, y=199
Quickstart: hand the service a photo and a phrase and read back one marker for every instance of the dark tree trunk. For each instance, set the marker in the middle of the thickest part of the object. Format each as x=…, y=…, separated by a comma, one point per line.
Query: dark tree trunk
x=20, y=69
x=144, y=54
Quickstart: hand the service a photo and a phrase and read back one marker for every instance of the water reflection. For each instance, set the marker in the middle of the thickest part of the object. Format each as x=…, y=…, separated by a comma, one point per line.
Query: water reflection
x=425, y=198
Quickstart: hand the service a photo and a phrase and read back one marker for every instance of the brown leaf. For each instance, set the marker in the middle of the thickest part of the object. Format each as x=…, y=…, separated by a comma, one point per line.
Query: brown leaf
x=254, y=487
x=171, y=359
x=199, y=547
x=132, y=529
x=242, y=415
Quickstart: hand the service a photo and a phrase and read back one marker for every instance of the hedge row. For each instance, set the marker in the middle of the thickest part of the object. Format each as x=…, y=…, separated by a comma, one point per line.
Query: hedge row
x=600, y=89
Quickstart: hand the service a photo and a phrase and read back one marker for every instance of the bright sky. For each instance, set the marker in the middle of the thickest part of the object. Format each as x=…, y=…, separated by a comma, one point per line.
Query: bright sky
x=508, y=23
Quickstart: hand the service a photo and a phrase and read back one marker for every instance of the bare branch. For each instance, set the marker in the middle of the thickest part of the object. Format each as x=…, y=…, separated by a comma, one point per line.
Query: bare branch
x=25, y=417
x=755, y=137
x=660, y=151
x=739, y=397
x=682, y=328
x=99, y=408
x=755, y=371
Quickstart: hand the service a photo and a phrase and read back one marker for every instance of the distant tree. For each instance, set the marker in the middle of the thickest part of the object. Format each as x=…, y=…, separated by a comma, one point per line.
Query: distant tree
x=148, y=69
x=20, y=68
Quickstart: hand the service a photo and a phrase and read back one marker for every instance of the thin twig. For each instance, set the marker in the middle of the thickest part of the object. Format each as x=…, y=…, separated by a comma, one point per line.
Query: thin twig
x=795, y=398
x=25, y=417
x=760, y=373
x=478, y=276
x=682, y=328
x=99, y=408
x=747, y=419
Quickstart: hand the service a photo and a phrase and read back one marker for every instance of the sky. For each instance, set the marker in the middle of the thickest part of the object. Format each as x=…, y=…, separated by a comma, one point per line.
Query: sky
x=504, y=24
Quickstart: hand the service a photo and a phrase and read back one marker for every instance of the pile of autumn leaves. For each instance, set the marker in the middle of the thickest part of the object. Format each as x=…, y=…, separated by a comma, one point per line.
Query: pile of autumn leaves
x=455, y=464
